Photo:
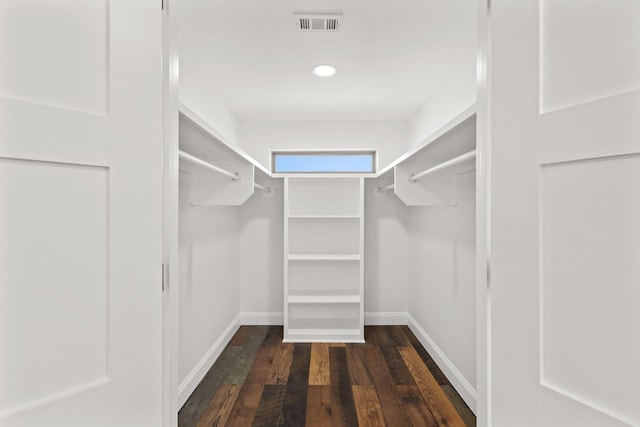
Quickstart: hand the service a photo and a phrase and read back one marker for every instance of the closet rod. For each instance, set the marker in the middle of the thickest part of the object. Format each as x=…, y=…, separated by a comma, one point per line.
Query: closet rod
x=387, y=188
x=193, y=159
x=262, y=187
x=464, y=157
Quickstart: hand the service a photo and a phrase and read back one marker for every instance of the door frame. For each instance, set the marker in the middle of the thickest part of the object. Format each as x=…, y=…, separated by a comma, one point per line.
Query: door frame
x=170, y=160
x=170, y=215
x=483, y=217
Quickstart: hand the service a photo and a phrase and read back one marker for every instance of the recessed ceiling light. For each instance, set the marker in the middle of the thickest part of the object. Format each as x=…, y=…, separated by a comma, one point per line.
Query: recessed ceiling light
x=324, y=70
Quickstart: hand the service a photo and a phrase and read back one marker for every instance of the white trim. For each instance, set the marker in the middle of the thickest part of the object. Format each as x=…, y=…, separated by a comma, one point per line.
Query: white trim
x=458, y=381
x=262, y=318
x=189, y=384
x=380, y=318
x=370, y=318
x=54, y=398
x=323, y=257
x=324, y=299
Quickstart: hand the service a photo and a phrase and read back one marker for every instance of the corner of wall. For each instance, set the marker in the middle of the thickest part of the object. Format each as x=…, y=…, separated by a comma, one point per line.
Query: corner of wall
x=213, y=109
x=457, y=379
x=458, y=92
x=189, y=384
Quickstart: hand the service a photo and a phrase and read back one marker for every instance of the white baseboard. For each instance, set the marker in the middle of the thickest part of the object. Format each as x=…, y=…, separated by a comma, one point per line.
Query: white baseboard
x=458, y=381
x=189, y=384
x=262, y=318
x=370, y=318
x=380, y=318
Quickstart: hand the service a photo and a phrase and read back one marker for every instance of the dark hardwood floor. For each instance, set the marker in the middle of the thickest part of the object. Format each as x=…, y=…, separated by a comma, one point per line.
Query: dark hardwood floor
x=260, y=381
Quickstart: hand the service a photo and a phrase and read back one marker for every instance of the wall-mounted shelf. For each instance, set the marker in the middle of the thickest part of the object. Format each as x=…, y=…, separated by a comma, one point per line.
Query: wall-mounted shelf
x=319, y=299
x=428, y=177
x=189, y=158
x=220, y=175
x=415, y=177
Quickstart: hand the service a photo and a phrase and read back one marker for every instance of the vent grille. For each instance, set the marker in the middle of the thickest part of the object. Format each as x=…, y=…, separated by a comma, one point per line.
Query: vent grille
x=317, y=22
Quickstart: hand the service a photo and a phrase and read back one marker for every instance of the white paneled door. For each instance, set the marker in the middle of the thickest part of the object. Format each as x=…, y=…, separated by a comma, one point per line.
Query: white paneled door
x=564, y=147
x=80, y=213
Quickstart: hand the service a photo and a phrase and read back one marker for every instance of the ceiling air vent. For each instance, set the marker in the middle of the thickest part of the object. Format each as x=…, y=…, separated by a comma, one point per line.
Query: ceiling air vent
x=325, y=22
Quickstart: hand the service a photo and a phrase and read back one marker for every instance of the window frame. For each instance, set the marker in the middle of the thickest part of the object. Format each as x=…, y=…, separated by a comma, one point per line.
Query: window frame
x=337, y=153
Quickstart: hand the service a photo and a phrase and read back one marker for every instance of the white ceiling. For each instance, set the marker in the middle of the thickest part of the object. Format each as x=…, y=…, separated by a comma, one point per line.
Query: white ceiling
x=390, y=55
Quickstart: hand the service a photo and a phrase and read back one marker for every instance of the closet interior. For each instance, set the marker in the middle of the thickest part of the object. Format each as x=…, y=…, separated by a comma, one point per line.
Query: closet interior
x=326, y=254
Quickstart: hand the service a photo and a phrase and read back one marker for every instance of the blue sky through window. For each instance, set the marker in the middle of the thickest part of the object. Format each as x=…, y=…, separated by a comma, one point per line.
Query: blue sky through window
x=337, y=162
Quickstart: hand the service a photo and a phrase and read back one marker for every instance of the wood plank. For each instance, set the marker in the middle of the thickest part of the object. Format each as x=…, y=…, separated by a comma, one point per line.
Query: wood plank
x=264, y=359
x=397, y=336
x=279, y=372
x=269, y=412
x=369, y=335
x=426, y=357
x=341, y=392
x=377, y=367
x=319, y=411
x=337, y=344
x=378, y=335
x=246, y=404
x=241, y=336
x=464, y=411
x=397, y=368
x=237, y=370
x=264, y=382
x=319, y=366
x=194, y=407
x=435, y=397
x=414, y=407
x=367, y=406
x=217, y=413
x=355, y=361
x=295, y=402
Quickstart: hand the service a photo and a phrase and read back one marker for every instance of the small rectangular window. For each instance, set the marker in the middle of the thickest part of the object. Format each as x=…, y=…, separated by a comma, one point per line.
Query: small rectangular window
x=323, y=162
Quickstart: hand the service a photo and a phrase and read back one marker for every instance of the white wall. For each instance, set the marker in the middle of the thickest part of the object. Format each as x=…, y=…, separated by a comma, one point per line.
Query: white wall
x=209, y=284
x=262, y=253
x=386, y=246
x=442, y=276
x=195, y=94
x=389, y=138
x=456, y=93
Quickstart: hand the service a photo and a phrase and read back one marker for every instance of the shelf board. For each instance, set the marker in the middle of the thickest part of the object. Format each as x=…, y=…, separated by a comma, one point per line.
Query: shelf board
x=324, y=332
x=324, y=257
x=355, y=339
x=324, y=325
x=324, y=216
x=324, y=299
x=465, y=115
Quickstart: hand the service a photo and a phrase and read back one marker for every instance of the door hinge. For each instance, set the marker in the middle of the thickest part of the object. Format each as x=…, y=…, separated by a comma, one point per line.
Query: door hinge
x=163, y=287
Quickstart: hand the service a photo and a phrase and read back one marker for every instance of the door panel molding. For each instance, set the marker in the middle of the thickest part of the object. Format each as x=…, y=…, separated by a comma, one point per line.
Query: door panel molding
x=587, y=51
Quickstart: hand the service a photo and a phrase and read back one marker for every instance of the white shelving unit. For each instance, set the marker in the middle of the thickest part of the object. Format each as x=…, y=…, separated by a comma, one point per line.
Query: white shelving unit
x=323, y=244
